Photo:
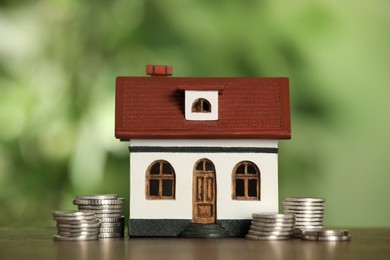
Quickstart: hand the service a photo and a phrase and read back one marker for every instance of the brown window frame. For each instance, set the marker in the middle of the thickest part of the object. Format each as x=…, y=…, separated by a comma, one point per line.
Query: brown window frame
x=246, y=177
x=199, y=107
x=160, y=177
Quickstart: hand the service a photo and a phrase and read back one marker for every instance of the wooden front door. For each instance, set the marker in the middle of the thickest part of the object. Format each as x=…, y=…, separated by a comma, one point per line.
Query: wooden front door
x=203, y=192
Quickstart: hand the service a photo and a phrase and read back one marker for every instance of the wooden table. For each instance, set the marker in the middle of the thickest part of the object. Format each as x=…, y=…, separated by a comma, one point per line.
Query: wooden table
x=37, y=243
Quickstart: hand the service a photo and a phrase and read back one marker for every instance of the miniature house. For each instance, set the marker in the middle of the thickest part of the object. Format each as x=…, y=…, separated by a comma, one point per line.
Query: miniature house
x=202, y=150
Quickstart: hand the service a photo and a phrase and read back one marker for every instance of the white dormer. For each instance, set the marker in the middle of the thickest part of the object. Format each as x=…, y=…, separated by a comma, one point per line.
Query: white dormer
x=201, y=105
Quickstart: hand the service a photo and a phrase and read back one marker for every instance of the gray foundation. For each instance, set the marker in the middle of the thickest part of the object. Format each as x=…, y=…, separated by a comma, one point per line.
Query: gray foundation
x=173, y=227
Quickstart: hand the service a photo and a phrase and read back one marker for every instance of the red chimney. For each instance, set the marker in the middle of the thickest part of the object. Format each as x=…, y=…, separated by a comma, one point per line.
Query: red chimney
x=158, y=70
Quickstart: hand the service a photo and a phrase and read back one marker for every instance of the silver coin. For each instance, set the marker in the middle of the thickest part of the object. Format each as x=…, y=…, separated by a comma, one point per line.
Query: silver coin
x=73, y=213
x=326, y=232
x=304, y=205
x=304, y=227
x=100, y=207
x=76, y=222
x=78, y=218
x=111, y=235
x=111, y=220
x=309, y=227
x=300, y=209
x=262, y=220
x=79, y=224
x=327, y=238
x=311, y=217
x=275, y=224
x=272, y=216
x=297, y=204
x=112, y=224
x=301, y=219
x=83, y=229
x=269, y=233
x=284, y=229
x=302, y=202
x=108, y=211
x=112, y=230
x=97, y=197
x=308, y=220
x=309, y=223
x=303, y=199
x=294, y=211
x=301, y=231
x=304, y=212
x=109, y=215
x=78, y=234
x=251, y=237
x=80, y=238
x=118, y=201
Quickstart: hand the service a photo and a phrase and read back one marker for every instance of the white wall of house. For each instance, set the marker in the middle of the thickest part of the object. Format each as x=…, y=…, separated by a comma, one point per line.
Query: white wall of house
x=183, y=165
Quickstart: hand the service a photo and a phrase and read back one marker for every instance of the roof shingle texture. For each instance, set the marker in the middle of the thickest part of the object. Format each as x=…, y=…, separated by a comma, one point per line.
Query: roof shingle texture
x=153, y=107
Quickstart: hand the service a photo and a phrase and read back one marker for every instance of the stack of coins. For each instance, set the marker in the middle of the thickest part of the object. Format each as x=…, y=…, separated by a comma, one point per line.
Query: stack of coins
x=108, y=209
x=76, y=225
x=327, y=235
x=309, y=213
x=271, y=226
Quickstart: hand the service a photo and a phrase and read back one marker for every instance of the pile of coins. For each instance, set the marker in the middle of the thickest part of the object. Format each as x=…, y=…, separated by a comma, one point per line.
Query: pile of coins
x=76, y=225
x=327, y=235
x=108, y=209
x=309, y=213
x=271, y=226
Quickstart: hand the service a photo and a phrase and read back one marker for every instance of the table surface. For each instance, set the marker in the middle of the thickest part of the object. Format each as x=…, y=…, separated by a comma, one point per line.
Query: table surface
x=37, y=243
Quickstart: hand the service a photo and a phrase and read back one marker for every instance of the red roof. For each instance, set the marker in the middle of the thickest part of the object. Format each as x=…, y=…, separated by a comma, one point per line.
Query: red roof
x=153, y=107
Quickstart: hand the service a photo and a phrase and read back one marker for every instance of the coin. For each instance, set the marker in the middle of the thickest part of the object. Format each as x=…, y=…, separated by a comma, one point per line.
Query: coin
x=272, y=224
x=111, y=220
x=269, y=233
x=111, y=230
x=327, y=238
x=111, y=235
x=80, y=238
x=326, y=232
x=257, y=228
x=78, y=231
x=304, y=211
x=97, y=197
x=262, y=220
x=272, y=216
x=109, y=215
x=100, y=207
x=78, y=234
x=118, y=201
x=95, y=223
x=73, y=213
x=76, y=218
x=108, y=211
x=303, y=208
x=308, y=219
x=112, y=224
x=304, y=199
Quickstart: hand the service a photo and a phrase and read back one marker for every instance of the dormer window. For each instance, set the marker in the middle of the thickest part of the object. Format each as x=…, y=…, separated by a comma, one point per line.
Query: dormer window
x=201, y=105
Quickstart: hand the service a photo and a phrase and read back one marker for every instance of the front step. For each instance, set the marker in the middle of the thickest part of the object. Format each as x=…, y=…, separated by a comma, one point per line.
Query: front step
x=204, y=231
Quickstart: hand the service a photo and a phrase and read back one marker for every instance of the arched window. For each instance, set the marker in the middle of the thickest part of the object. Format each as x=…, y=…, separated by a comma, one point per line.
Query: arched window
x=160, y=181
x=246, y=181
x=201, y=105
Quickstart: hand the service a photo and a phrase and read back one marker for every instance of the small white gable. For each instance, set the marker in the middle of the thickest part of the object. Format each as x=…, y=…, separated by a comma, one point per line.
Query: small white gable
x=201, y=105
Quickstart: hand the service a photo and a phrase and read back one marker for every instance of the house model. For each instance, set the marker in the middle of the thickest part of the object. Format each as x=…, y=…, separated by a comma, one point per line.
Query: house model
x=203, y=151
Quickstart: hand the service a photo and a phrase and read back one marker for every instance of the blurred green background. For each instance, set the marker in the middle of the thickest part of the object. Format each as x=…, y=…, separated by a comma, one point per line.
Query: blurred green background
x=59, y=60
